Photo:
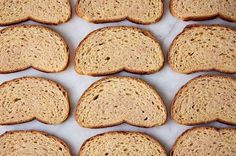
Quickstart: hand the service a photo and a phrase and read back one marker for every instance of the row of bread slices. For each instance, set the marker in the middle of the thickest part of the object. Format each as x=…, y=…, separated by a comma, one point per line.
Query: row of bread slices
x=101, y=11
x=113, y=49
x=197, y=141
x=116, y=100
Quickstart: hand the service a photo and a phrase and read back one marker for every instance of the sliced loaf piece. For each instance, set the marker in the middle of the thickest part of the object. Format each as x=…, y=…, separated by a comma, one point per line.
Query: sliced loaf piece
x=205, y=99
x=26, y=46
x=113, y=49
x=204, y=141
x=202, y=9
x=28, y=98
x=138, y=11
x=43, y=11
x=31, y=143
x=203, y=48
x=115, y=100
x=122, y=144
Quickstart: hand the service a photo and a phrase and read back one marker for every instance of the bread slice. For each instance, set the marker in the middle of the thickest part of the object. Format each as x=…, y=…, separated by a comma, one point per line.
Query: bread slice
x=115, y=100
x=26, y=46
x=142, y=12
x=28, y=98
x=26, y=143
x=113, y=49
x=206, y=141
x=205, y=99
x=122, y=144
x=202, y=10
x=43, y=11
x=203, y=48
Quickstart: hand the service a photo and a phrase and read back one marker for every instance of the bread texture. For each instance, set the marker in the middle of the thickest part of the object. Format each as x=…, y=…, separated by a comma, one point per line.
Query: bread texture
x=137, y=11
x=205, y=99
x=115, y=100
x=122, y=144
x=202, y=10
x=26, y=46
x=31, y=142
x=206, y=141
x=113, y=49
x=203, y=48
x=43, y=11
x=28, y=98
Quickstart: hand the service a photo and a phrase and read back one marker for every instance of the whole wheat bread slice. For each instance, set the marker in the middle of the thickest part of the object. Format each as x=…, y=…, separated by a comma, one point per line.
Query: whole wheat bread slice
x=28, y=98
x=122, y=144
x=203, y=9
x=113, y=49
x=203, y=48
x=205, y=99
x=43, y=11
x=204, y=141
x=115, y=100
x=31, y=143
x=26, y=46
x=138, y=11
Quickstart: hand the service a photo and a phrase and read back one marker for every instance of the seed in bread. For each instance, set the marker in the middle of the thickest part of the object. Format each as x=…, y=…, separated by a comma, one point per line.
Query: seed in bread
x=115, y=100
x=26, y=46
x=113, y=49
x=28, y=98
x=203, y=48
x=142, y=12
x=204, y=141
x=26, y=143
x=43, y=11
x=202, y=9
x=205, y=99
x=122, y=144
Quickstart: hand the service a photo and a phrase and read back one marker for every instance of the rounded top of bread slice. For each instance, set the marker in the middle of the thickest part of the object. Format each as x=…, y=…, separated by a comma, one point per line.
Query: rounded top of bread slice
x=204, y=48
x=115, y=100
x=122, y=143
x=31, y=142
x=26, y=46
x=113, y=49
x=28, y=98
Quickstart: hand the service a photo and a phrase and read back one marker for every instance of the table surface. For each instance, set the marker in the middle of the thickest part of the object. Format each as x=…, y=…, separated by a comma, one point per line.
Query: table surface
x=167, y=82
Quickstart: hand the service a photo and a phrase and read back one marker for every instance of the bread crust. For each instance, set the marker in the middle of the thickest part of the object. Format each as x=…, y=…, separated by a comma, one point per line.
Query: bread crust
x=120, y=19
x=188, y=27
x=184, y=86
x=122, y=122
x=35, y=118
x=145, y=32
x=44, y=28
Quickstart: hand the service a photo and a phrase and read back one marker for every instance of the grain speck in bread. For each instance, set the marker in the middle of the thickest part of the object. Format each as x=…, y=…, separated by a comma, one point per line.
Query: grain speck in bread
x=204, y=141
x=31, y=142
x=115, y=100
x=205, y=99
x=26, y=46
x=122, y=144
x=43, y=11
x=203, y=48
x=28, y=98
x=138, y=11
x=113, y=49
x=203, y=9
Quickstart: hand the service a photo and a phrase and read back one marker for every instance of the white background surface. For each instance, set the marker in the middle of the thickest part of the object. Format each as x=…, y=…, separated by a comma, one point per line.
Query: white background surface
x=166, y=81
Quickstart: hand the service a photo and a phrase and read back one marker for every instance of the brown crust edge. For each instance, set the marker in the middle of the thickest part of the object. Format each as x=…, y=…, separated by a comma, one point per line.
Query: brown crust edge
x=194, y=129
x=188, y=27
x=43, y=28
x=145, y=32
x=125, y=133
x=184, y=86
x=122, y=122
x=34, y=118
